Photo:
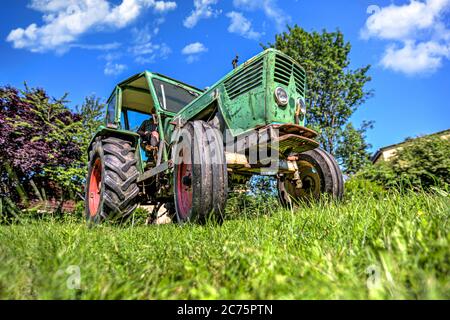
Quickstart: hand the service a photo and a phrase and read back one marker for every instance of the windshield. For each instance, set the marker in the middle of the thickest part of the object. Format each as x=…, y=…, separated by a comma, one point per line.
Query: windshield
x=173, y=97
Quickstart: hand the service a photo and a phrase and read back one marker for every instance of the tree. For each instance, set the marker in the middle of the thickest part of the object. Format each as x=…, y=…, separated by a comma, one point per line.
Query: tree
x=39, y=138
x=92, y=113
x=335, y=91
x=352, y=148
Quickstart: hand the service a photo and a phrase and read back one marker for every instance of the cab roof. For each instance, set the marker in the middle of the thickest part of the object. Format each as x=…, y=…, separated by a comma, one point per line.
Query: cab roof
x=136, y=91
x=158, y=75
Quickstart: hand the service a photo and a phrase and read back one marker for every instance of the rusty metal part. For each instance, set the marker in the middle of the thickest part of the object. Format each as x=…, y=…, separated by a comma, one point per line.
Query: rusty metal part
x=290, y=128
x=240, y=161
x=291, y=143
x=236, y=159
x=154, y=171
x=286, y=139
x=297, y=180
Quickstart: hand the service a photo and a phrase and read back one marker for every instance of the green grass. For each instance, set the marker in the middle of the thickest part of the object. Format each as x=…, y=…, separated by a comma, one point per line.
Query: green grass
x=325, y=251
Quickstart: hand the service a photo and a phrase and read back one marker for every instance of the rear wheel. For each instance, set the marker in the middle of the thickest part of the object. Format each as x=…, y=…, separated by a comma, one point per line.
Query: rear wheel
x=319, y=174
x=200, y=173
x=111, y=184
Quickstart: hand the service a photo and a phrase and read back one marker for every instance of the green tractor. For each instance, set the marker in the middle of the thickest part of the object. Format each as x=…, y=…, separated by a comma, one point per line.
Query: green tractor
x=166, y=143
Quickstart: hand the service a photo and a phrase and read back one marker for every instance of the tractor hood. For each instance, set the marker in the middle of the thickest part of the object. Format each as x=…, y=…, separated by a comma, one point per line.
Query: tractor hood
x=246, y=96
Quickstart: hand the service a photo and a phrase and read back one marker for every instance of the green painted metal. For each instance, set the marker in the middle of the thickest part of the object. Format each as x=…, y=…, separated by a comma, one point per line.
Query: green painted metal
x=245, y=97
x=256, y=107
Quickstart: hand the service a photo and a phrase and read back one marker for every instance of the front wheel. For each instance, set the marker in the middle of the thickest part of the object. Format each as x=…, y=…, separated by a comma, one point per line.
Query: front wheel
x=319, y=174
x=111, y=184
x=200, y=173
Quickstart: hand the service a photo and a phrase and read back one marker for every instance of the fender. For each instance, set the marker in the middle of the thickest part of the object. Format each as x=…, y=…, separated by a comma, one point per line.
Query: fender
x=203, y=106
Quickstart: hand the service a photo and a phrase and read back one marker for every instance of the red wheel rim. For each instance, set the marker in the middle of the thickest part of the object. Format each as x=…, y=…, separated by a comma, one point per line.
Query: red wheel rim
x=95, y=181
x=184, y=189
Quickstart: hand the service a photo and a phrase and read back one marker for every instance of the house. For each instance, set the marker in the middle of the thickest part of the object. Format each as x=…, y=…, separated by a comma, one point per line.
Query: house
x=386, y=153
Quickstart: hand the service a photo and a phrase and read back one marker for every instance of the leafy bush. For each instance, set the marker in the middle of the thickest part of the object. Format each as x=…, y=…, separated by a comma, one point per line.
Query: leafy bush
x=358, y=186
x=247, y=205
x=43, y=145
x=38, y=138
x=422, y=163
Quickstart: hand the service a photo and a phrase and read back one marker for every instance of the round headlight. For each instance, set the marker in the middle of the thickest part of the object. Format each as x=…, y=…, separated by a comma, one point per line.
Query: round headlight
x=301, y=105
x=281, y=96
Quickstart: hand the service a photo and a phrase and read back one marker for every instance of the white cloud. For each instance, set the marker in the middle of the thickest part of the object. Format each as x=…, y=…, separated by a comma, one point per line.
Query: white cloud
x=150, y=52
x=121, y=15
x=194, y=48
x=418, y=32
x=192, y=59
x=164, y=6
x=193, y=51
x=415, y=58
x=242, y=26
x=270, y=9
x=66, y=20
x=145, y=33
x=101, y=47
x=143, y=49
x=399, y=22
x=51, y=5
x=203, y=9
x=142, y=35
x=111, y=56
x=114, y=69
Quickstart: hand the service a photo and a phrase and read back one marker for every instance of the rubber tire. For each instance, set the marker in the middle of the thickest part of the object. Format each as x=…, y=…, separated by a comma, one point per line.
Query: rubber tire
x=119, y=190
x=331, y=179
x=209, y=174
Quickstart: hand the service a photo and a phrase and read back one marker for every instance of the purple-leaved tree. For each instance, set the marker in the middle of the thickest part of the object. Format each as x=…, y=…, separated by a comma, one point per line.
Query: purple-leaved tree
x=40, y=146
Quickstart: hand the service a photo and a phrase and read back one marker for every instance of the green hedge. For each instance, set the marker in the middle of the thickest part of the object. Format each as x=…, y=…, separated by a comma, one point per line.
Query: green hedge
x=421, y=164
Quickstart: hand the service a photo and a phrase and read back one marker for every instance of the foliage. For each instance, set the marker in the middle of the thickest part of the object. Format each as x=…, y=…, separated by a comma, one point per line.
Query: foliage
x=357, y=186
x=394, y=247
x=92, y=113
x=246, y=205
x=44, y=145
x=335, y=91
x=263, y=186
x=421, y=163
x=424, y=161
x=352, y=148
x=39, y=141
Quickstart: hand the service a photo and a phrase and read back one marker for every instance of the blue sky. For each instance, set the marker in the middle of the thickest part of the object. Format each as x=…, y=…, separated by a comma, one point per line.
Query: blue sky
x=87, y=46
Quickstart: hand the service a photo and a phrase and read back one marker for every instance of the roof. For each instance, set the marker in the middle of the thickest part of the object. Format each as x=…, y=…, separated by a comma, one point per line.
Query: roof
x=143, y=73
x=395, y=145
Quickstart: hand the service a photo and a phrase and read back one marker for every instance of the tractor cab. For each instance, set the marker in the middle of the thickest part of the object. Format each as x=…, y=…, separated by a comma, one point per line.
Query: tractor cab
x=144, y=105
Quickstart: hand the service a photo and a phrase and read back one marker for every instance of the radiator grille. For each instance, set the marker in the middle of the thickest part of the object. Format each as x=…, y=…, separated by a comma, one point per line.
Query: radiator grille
x=283, y=71
x=248, y=78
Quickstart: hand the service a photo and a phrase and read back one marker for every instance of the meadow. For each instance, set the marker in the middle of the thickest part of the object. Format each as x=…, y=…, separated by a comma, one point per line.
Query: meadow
x=370, y=246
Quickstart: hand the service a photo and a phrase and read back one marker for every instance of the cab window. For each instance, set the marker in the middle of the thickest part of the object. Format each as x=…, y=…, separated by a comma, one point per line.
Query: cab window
x=132, y=120
x=173, y=97
x=111, y=110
